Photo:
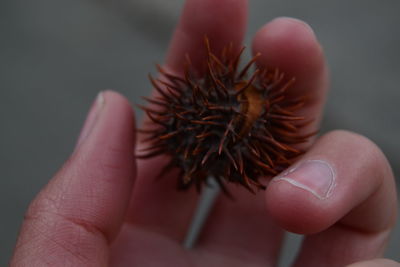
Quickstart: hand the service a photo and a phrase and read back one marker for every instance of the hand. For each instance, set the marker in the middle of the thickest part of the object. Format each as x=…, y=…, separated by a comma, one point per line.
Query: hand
x=98, y=209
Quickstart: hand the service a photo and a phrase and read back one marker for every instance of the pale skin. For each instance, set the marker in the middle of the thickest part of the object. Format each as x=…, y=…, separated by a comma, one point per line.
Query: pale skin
x=104, y=208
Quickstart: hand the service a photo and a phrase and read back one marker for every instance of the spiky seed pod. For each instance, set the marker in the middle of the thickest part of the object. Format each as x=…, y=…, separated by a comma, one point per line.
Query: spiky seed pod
x=225, y=124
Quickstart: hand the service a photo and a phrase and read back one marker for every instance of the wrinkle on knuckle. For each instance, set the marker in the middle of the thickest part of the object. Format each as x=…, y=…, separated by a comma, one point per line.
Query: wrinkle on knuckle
x=368, y=153
x=53, y=235
x=69, y=234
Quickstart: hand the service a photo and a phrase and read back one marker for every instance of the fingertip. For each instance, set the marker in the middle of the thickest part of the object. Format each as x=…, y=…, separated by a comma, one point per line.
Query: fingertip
x=292, y=46
x=119, y=104
x=287, y=37
x=114, y=123
x=208, y=15
x=300, y=197
x=120, y=101
x=296, y=210
x=223, y=22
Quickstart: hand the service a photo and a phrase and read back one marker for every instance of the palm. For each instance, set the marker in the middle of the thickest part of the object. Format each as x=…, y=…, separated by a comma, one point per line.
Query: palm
x=232, y=237
x=141, y=247
x=237, y=232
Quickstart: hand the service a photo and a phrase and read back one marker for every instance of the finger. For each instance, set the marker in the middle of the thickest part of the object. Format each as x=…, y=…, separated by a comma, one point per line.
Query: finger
x=157, y=201
x=342, y=192
x=76, y=216
x=290, y=45
x=376, y=263
x=223, y=22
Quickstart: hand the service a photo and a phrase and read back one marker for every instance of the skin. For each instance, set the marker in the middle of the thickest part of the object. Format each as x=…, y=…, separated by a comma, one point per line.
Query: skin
x=103, y=206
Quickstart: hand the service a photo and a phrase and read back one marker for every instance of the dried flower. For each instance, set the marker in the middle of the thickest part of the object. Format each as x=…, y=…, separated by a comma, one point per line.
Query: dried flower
x=226, y=124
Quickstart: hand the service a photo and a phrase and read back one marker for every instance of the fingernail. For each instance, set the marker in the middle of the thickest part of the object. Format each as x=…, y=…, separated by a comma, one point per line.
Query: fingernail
x=314, y=176
x=91, y=118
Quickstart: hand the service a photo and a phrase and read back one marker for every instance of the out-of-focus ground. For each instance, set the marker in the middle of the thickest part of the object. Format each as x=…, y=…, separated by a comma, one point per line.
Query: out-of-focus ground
x=56, y=55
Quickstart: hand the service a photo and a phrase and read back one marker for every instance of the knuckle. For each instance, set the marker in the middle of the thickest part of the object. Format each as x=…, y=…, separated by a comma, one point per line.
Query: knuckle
x=64, y=231
x=364, y=148
x=56, y=236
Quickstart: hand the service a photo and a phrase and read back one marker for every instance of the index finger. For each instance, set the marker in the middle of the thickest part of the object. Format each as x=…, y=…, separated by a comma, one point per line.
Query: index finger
x=223, y=22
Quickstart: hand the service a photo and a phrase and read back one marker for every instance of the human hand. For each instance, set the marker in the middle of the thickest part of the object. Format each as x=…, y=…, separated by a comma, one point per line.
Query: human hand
x=99, y=210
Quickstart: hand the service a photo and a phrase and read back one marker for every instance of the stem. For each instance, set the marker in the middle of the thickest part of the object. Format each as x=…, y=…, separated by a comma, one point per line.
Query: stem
x=204, y=206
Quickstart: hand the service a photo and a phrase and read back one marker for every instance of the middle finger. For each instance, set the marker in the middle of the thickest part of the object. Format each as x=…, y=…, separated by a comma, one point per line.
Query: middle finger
x=244, y=226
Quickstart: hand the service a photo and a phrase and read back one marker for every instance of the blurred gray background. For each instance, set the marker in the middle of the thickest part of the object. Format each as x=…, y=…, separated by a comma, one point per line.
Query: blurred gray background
x=55, y=55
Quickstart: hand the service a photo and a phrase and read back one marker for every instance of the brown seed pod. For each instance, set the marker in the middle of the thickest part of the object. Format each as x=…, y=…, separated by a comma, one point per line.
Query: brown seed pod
x=226, y=124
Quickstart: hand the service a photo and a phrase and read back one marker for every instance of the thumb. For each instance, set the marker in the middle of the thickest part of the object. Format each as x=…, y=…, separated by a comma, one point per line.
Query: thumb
x=76, y=216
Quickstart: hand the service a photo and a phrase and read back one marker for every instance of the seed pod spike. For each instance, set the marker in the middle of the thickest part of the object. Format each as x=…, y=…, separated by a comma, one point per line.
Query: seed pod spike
x=248, y=84
x=235, y=62
x=168, y=75
x=155, y=101
x=247, y=67
x=224, y=137
x=206, y=156
x=158, y=88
